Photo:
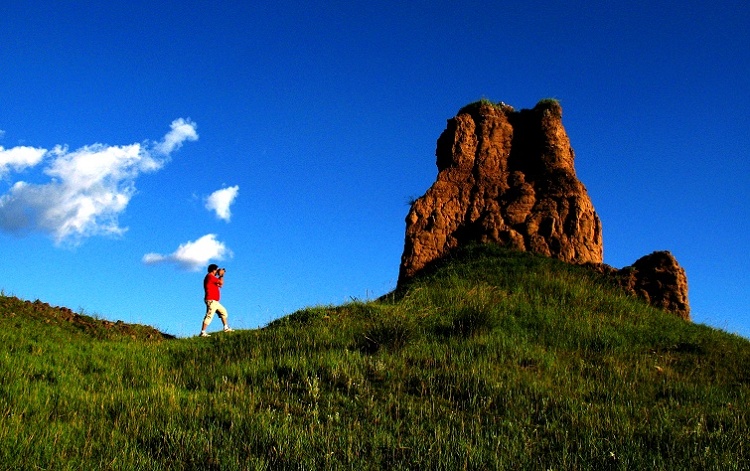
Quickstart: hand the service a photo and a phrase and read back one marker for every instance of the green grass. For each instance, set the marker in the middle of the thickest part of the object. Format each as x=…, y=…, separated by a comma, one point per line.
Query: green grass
x=493, y=360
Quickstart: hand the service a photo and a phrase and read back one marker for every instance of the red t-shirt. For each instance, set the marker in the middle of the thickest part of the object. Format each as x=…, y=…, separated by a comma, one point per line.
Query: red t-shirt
x=211, y=288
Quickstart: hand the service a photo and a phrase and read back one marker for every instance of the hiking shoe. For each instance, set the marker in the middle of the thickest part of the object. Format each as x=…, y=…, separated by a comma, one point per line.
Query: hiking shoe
x=227, y=329
x=204, y=334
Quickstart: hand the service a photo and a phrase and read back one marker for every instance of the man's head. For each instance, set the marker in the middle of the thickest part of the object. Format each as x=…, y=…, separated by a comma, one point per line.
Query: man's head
x=212, y=268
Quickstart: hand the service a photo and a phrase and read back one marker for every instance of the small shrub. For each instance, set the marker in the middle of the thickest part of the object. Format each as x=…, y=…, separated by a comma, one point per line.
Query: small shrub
x=390, y=333
x=472, y=321
x=548, y=102
x=467, y=322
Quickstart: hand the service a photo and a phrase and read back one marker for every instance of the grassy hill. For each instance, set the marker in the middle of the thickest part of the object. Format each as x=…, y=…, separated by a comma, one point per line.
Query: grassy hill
x=494, y=360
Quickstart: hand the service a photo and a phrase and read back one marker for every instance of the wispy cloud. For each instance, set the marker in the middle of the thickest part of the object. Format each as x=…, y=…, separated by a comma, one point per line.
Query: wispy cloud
x=192, y=255
x=220, y=201
x=88, y=188
x=181, y=130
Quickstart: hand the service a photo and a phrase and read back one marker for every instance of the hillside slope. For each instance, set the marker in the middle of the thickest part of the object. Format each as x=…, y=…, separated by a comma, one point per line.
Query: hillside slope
x=493, y=360
x=18, y=312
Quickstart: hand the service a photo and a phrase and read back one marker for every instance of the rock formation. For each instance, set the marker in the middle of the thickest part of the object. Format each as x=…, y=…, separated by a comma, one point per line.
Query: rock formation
x=507, y=177
x=504, y=177
x=657, y=278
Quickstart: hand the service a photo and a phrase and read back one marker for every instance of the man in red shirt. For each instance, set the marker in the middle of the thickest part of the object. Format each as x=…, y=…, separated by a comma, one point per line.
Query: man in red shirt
x=212, y=284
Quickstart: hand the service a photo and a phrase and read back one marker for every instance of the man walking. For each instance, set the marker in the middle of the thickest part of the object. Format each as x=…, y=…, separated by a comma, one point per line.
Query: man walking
x=212, y=284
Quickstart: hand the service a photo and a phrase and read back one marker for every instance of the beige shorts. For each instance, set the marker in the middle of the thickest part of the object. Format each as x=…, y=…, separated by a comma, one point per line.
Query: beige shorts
x=211, y=307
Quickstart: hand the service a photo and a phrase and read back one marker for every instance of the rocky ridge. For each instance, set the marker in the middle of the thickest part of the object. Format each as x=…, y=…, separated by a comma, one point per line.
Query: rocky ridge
x=21, y=310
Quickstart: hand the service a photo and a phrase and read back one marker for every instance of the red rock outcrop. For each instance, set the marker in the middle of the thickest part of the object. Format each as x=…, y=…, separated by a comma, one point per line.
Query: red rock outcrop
x=507, y=177
x=504, y=177
x=657, y=278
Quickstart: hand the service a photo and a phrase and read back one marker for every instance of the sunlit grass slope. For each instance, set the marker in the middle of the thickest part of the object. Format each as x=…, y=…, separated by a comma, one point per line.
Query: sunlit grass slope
x=494, y=360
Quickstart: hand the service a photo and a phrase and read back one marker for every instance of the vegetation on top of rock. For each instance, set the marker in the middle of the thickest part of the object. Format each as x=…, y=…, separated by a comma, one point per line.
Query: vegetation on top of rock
x=476, y=105
x=547, y=103
x=544, y=103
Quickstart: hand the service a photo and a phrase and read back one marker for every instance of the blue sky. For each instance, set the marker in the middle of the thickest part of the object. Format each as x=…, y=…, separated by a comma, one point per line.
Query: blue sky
x=140, y=141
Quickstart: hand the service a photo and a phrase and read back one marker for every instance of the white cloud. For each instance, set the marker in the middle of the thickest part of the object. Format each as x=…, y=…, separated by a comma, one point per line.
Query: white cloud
x=19, y=158
x=88, y=187
x=182, y=130
x=192, y=255
x=220, y=200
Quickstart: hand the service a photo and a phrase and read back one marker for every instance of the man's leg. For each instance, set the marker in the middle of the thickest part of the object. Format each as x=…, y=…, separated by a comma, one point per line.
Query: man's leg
x=223, y=314
x=210, y=308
